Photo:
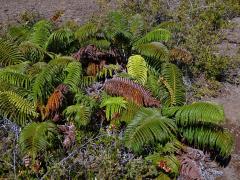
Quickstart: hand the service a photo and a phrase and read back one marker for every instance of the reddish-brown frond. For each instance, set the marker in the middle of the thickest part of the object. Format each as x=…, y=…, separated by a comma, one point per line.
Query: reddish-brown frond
x=91, y=54
x=131, y=91
x=55, y=100
x=93, y=69
x=181, y=55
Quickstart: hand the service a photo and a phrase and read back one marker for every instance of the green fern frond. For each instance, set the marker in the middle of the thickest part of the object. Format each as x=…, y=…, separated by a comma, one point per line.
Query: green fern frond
x=9, y=54
x=200, y=112
x=86, y=31
x=113, y=105
x=117, y=28
x=16, y=79
x=87, y=81
x=102, y=44
x=41, y=33
x=61, y=60
x=88, y=101
x=170, y=147
x=136, y=25
x=153, y=85
x=220, y=141
x=166, y=163
x=32, y=52
x=18, y=34
x=79, y=113
x=108, y=70
x=117, y=21
x=171, y=78
x=148, y=126
x=25, y=93
x=170, y=112
x=163, y=176
x=35, y=69
x=60, y=40
x=171, y=26
x=16, y=107
x=155, y=53
x=36, y=138
x=157, y=35
x=137, y=67
x=18, y=68
x=74, y=73
x=45, y=81
x=129, y=113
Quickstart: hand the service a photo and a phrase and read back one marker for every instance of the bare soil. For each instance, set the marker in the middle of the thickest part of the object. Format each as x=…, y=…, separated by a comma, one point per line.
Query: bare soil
x=231, y=103
x=78, y=10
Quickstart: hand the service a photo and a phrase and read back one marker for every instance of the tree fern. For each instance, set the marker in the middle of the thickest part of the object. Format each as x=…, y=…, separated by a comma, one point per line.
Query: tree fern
x=153, y=84
x=61, y=60
x=200, y=112
x=74, y=73
x=86, y=31
x=102, y=44
x=35, y=69
x=220, y=141
x=113, y=105
x=55, y=101
x=117, y=29
x=131, y=91
x=9, y=54
x=128, y=114
x=21, y=91
x=36, y=138
x=136, y=25
x=169, y=164
x=79, y=113
x=32, y=52
x=171, y=147
x=60, y=40
x=108, y=70
x=15, y=78
x=171, y=78
x=18, y=34
x=87, y=81
x=88, y=101
x=156, y=35
x=137, y=67
x=16, y=107
x=155, y=53
x=45, y=81
x=148, y=126
x=18, y=68
x=171, y=26
x=41, y=33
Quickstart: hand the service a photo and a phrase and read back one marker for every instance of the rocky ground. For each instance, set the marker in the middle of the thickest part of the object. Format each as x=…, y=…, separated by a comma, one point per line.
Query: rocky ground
x=230, y=98
x=78, y=10
x=82, y=10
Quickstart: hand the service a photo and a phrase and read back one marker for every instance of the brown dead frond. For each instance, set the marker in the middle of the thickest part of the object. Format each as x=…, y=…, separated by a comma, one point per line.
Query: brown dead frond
x=131, y=91
x=181, y=55
x=55, y=100
x=91, y=54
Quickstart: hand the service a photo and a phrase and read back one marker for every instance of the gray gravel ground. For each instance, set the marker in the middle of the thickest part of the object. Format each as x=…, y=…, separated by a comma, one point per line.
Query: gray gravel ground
x=78, y=10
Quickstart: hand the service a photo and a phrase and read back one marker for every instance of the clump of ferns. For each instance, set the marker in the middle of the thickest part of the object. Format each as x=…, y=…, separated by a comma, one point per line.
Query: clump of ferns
x=58, y=90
